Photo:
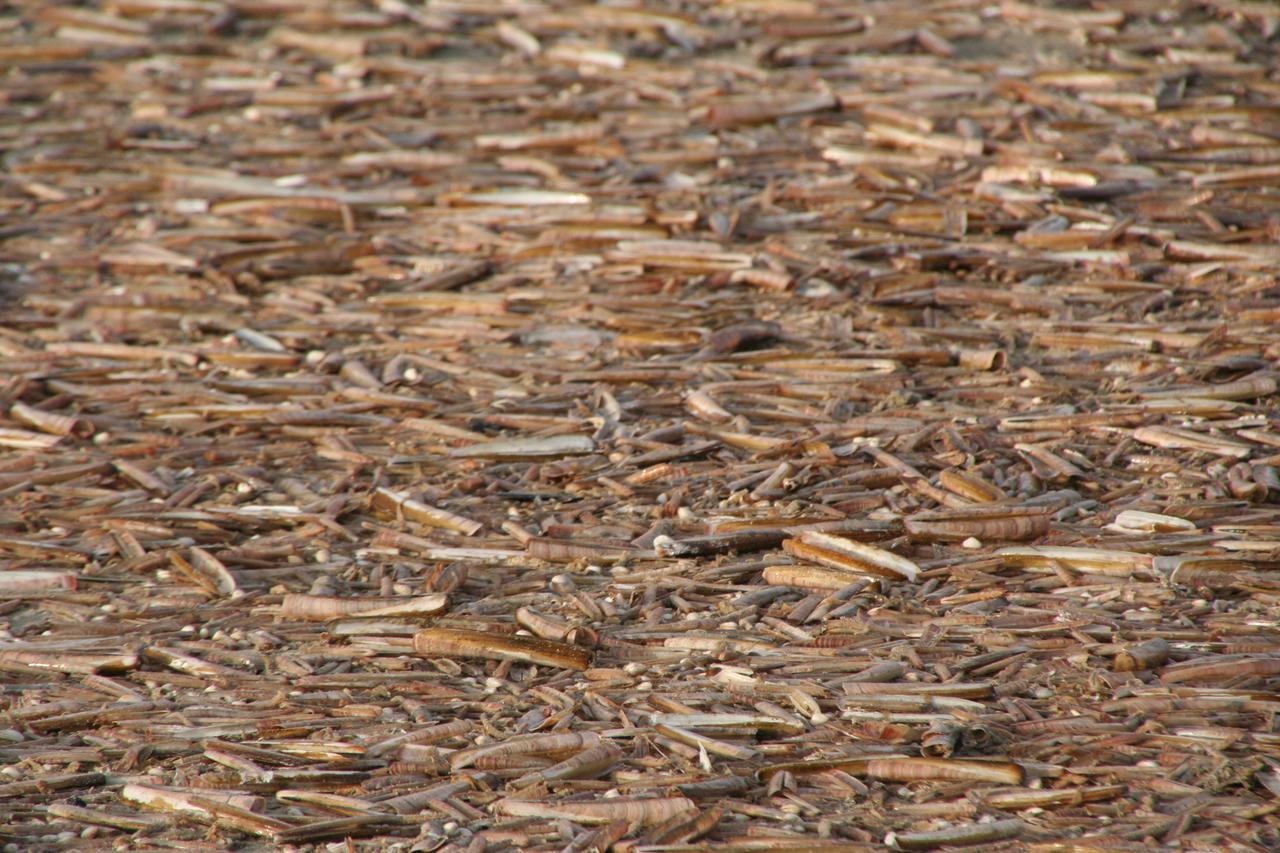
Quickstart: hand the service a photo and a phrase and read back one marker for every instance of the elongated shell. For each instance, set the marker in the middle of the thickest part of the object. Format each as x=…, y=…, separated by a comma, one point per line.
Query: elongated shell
x=645, y=812
x=1087, y=560
x=855, y=765
x=1221, y=668
x=551, y=447
x=1136, y=521
x=321, y=608
x=838, y=552
x=83, y=664
x=585, y=765
x=50, y=422
x=912, y=769
x=394, y=503
x=963, y=835
x=27, y=581
x=453, y=642
x=537, y=744
x=970, y=485
x=1185, y=439
x=1008, y=524
x=810, y=577
x=731, y=723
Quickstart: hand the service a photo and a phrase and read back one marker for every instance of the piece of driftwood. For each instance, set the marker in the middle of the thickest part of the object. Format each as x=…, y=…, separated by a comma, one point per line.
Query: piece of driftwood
x=641, y=426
